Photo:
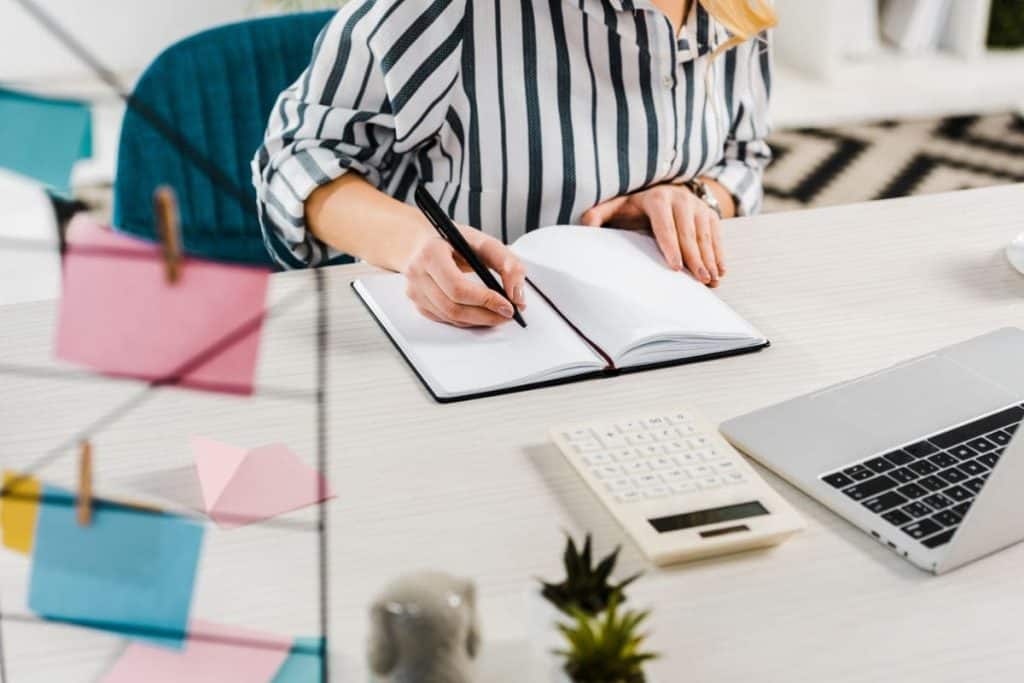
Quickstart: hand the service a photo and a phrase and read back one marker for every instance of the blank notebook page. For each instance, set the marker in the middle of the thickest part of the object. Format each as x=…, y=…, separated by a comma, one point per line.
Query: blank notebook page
x=455, y=360
x=614, y=285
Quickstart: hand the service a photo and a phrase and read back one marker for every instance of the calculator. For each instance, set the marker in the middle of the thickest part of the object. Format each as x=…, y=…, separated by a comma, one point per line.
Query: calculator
x=676, y=486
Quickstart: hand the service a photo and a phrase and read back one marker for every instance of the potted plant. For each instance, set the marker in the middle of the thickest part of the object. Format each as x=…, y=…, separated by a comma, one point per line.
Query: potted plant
x=607, y=648
x=587, y=588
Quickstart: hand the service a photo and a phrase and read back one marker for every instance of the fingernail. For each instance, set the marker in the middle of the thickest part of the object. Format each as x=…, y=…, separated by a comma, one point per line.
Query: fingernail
x=517, y=294
x=505, y=310
x=702, y=274
x=677, y=265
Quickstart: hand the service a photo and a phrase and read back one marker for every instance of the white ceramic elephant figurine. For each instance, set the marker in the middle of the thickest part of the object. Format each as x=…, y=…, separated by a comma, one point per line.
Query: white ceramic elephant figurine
x=424, y=629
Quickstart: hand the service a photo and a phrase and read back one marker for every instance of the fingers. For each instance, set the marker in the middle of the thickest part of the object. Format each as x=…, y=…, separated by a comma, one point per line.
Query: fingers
x=687, y=229
x=663, y=224
x=603, y=212
x=442, y=292
x=500, y=258
x=716, y=240
x=702, y=222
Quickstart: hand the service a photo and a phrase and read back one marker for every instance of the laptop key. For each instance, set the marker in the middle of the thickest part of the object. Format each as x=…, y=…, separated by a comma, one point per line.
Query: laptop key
x=933, y=483
x=913, y=491
x=879, y=465
x=963, y=451
x=974, y=485
x=938, y=539
x=989, y=459
x=901, y=457
x=973, y=467
x=897, y=517
x=884, y=502
x=947, y=518
x=871, y=487
x=837, y=480
x=902, y=475
x=942, y=460
x=921, y=528
x=920, y=449
x=1001, y=438
x=938, y=501
x=917, y=509
x=923, y=467
x=962, y=508
x=982, y=445
x=958, y=494
x=953, y=475
x=858, y=473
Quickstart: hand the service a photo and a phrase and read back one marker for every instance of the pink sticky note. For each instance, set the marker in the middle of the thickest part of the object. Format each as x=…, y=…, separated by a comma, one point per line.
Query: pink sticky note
x=241, y=486
x=212, y=654
x=120, y=316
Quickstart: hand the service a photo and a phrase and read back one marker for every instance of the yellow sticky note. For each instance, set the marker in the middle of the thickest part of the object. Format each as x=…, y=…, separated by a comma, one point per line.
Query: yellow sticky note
x=18, y=511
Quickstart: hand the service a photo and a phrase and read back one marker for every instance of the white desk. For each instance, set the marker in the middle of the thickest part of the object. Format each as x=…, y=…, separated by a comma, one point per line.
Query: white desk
x=475, y=488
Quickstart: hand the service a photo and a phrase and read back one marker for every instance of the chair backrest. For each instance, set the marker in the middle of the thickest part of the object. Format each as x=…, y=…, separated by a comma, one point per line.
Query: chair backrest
x=216, y=90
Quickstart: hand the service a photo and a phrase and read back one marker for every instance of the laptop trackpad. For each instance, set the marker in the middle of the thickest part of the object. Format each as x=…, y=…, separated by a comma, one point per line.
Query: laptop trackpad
x=918, y=398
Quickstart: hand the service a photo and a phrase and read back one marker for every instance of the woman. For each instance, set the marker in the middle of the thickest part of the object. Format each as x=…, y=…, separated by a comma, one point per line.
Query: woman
x=517, y=114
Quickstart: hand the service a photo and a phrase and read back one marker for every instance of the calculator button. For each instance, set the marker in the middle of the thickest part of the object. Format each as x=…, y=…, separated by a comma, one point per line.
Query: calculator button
x=597, y=459
x=656, y=492
x=578, y=434
x=636, y=467
x=725, y=465
x=735, y=477
x=613, y=441
x=640, y=439
x=647, y=480
x=675, y=446
x=629, y=426
x=673, y=475
x=654, y=422
x=607, y=471
x=586, y=445
x=709, y=454
x=618, y=485
x=662, y=463
x=629, y=497
x=623, y=454
x=687, y=459
x=710, y=483
x=666, y=434
x=702, y=471
x=676, y=418
x=684, y=487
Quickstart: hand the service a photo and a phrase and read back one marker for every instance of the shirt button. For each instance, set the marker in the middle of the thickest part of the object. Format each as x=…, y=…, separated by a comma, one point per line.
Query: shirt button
x=668, y=81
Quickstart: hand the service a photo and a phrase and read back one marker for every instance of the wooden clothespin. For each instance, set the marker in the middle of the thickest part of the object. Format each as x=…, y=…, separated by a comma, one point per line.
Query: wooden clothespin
x=85, y=485
x=165, y=207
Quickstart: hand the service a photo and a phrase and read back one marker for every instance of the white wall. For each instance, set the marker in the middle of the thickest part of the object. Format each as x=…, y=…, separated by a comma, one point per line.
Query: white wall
x=124, y=34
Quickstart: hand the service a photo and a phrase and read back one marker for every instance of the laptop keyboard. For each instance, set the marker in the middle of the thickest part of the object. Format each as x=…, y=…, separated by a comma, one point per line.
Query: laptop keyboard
x=926, y=488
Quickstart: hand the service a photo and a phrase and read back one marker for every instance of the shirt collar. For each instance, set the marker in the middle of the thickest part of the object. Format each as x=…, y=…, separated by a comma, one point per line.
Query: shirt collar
x=701, y=34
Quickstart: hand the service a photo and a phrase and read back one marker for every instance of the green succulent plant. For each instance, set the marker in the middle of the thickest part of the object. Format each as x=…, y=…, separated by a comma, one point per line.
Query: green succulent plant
x=607, y=648
x=586, y=587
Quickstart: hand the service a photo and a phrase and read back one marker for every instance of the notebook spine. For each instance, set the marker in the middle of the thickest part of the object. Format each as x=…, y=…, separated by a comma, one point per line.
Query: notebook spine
x=578, y=331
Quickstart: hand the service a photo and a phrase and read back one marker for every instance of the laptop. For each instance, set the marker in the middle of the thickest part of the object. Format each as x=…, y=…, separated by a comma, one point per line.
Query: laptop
x=926, y=456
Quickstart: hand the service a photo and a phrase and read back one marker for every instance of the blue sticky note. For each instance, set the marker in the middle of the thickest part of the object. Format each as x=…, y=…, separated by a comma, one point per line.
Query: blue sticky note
x=131, y=571
x=303, y=663
x=42, y=138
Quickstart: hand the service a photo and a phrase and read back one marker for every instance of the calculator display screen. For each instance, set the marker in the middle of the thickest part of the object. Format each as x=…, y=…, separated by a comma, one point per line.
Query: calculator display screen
x=688, y=520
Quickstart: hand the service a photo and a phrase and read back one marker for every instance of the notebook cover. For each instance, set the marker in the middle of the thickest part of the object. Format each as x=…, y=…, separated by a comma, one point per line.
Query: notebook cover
x=607, y=372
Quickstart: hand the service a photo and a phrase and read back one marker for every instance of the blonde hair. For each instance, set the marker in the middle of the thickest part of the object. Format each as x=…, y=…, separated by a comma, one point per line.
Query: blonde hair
x=744, y=18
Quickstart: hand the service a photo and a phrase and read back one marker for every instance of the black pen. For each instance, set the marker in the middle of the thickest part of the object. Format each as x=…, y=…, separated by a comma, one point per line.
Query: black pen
x=449, y=232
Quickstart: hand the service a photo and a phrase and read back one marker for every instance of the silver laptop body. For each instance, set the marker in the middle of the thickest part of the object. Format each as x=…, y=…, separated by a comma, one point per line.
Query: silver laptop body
x=857, y=447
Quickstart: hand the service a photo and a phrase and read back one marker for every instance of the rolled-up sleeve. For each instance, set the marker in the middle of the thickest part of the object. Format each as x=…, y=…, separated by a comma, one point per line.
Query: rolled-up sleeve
x=370, y=93
x=747, y=82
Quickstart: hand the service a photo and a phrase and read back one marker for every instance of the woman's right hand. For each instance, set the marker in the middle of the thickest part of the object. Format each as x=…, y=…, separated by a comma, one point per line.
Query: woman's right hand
x=441, y=291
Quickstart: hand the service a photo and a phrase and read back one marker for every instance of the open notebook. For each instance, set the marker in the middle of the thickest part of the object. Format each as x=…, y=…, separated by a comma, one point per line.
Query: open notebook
x=599, y=301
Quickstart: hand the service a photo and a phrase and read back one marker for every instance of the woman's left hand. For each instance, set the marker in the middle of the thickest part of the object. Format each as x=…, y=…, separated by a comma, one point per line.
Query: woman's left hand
x=686, y=229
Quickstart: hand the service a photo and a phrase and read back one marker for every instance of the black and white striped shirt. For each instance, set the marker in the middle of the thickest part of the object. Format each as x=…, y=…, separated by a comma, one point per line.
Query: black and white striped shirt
x=514, y=113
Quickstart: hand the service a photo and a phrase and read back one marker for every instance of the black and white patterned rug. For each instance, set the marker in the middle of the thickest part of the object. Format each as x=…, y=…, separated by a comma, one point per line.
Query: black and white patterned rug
x=824, y=166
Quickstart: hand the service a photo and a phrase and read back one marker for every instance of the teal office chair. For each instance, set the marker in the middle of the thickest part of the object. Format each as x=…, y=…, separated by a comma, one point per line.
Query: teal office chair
x=216, y=90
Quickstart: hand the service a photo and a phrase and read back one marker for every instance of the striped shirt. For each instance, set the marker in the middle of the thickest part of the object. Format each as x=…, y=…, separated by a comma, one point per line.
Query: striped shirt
x=515, y=114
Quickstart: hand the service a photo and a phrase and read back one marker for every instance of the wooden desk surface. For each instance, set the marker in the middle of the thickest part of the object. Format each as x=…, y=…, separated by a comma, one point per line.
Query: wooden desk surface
x=475, y=488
